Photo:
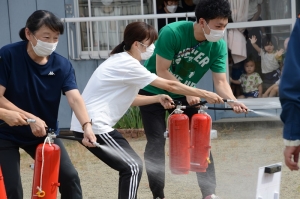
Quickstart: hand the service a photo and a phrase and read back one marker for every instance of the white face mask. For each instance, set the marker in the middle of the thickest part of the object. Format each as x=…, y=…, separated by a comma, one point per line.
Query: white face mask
x=44, y=49
x=148, y=53
x=172, y=8
x=214, y=35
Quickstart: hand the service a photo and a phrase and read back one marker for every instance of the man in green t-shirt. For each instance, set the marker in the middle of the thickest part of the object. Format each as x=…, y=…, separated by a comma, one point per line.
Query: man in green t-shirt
x=184, y=52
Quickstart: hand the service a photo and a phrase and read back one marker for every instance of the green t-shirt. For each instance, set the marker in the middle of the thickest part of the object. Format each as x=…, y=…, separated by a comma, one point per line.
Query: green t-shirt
x=190, y=59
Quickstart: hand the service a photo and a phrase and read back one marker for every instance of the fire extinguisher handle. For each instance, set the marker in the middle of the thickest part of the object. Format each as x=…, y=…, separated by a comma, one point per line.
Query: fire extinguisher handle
x=30, y=121
x=228, y=100
x=216, y=108
x=177, y=102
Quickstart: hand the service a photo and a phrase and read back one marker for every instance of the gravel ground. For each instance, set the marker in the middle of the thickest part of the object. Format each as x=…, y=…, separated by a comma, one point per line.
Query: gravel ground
x=238, y=153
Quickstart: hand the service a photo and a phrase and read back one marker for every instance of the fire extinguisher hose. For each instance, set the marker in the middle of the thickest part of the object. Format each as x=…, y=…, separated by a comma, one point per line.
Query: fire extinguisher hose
x=73, y=138
x=40, y=192
x=204, y=102
x=216, y=108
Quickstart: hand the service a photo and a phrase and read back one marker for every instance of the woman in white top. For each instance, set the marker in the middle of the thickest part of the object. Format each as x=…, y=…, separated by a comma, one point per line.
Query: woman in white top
x=113, y=88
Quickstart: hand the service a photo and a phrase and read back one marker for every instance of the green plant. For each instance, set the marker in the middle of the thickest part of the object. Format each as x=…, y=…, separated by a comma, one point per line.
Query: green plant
x=131, y=119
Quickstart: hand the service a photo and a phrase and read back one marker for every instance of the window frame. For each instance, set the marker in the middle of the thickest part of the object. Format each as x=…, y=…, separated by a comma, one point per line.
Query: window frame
x=263, y=103
x=97, y=54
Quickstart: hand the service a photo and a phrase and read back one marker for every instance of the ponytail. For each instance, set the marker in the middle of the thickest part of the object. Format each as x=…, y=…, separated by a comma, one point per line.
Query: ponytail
x=22, y=34
x=135, y=31
x=119, y=48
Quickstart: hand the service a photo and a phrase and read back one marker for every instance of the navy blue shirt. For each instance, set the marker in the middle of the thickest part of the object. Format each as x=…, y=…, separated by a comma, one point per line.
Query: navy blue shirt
x=33, y=88
x=289, y=87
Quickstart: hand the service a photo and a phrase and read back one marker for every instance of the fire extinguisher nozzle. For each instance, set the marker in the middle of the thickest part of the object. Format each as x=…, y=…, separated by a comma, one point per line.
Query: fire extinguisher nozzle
x=52, y=135
x=229, y=100
x=30, y=121
x=97, y=144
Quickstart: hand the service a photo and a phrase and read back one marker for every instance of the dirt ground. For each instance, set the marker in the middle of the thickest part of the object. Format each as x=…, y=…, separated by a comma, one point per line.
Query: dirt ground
x=238, y=153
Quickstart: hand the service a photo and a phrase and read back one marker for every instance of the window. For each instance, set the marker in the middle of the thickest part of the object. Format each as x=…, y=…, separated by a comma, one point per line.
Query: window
x=98, y=38
x=98, y=25
x=275, y=9
x=270, y=22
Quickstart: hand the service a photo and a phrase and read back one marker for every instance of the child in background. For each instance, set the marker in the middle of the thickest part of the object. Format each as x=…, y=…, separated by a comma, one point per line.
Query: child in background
x=270, y=67
x=250, y=81
x=273, y=91
x=169, y=7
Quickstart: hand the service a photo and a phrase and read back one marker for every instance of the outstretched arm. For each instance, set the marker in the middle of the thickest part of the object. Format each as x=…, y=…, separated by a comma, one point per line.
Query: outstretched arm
x=224, y=90
x=78, y=106
x=253, y=40
x=165, y=100
x=162, y=70
x=179, y=88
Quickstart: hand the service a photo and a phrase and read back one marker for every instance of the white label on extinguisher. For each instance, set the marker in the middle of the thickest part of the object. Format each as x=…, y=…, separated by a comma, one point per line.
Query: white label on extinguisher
x=193, y=163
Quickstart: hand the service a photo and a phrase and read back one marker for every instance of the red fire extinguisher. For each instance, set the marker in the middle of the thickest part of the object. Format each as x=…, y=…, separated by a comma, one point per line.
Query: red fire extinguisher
x=2, y=187
x=200, y=141
x=46, y=170
x=179, y=142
